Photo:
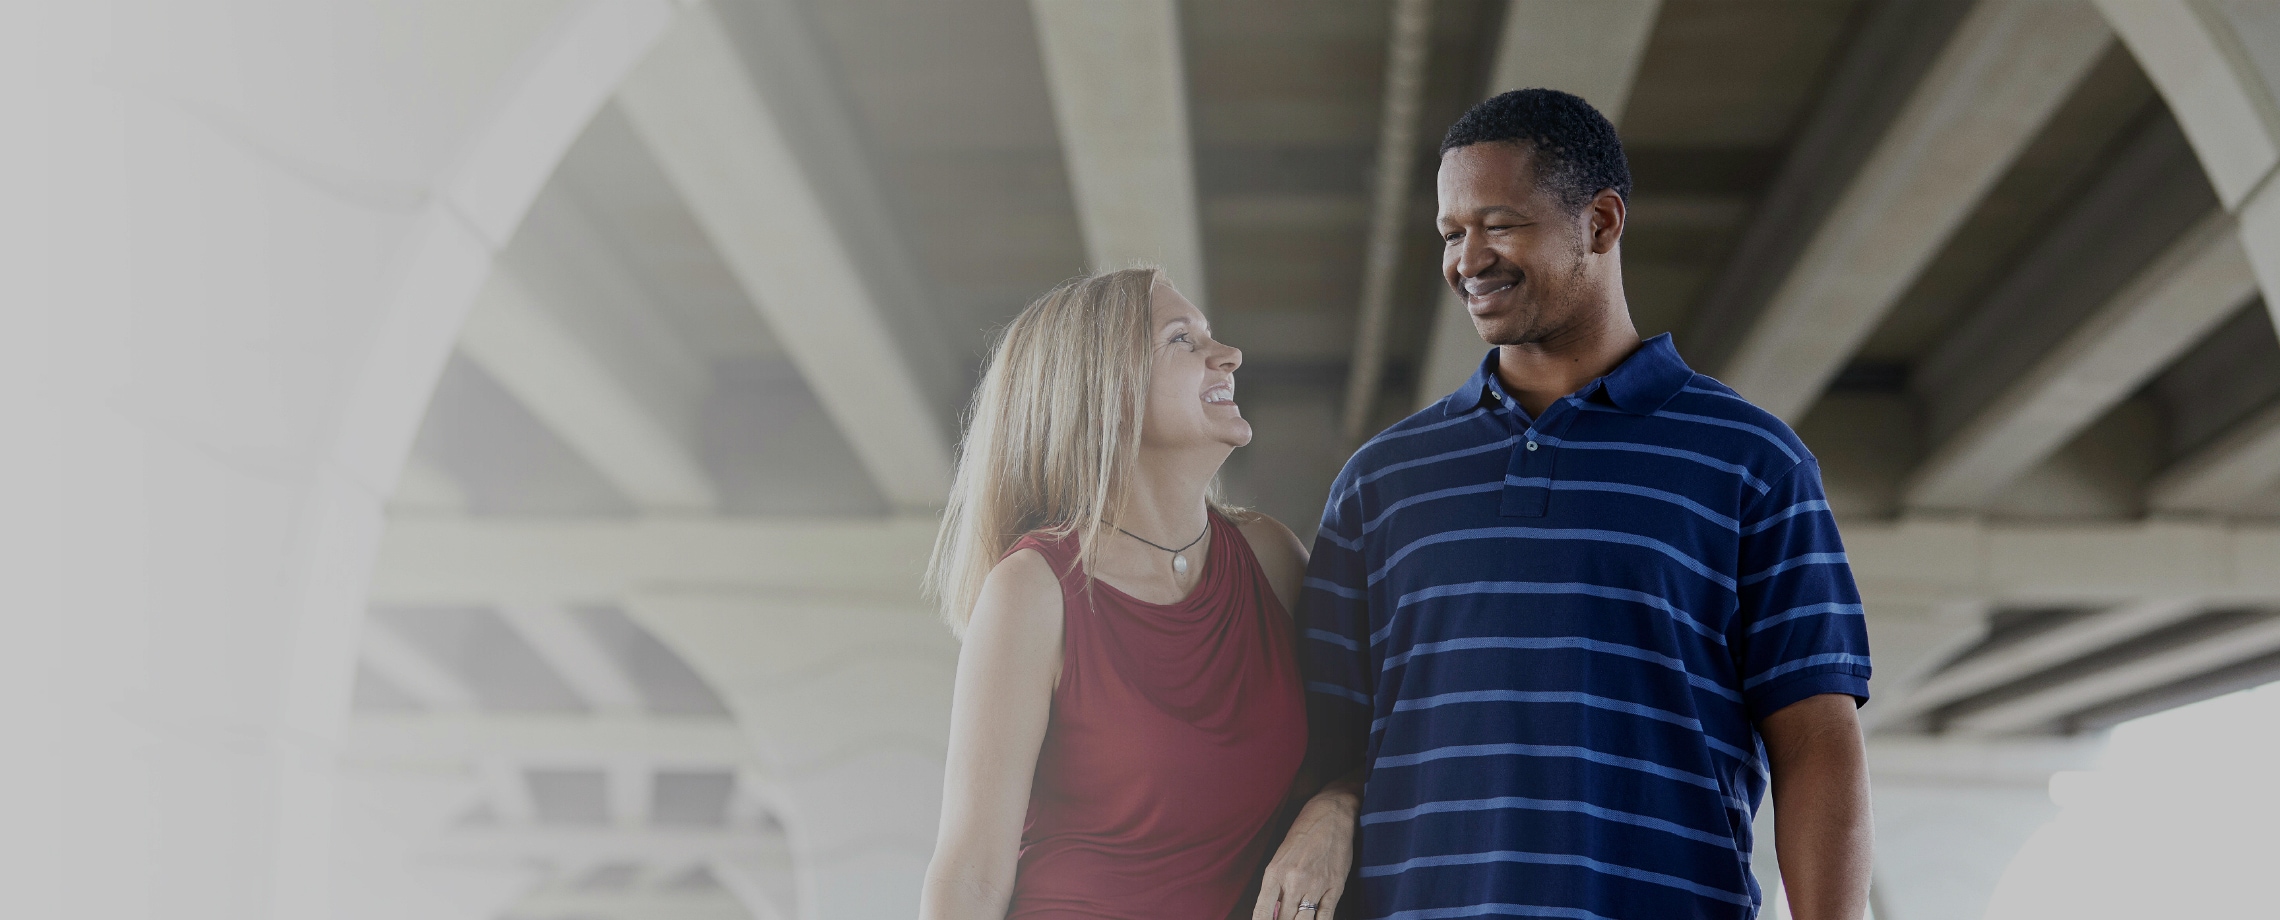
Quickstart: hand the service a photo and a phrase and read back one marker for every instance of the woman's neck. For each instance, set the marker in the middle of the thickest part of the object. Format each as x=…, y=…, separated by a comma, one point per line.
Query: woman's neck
x=1164, y=502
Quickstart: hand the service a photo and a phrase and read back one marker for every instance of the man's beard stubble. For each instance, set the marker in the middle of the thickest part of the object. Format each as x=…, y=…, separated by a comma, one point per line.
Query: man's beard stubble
x=1542, y=321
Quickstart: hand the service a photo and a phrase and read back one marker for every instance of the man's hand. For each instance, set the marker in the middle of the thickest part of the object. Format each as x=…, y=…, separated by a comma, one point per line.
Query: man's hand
x=1310, y=866
x=1820, y=806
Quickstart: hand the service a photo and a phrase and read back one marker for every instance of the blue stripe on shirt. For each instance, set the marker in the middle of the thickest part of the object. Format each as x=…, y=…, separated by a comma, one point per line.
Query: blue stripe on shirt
x=1559, y=805
x=1556, y=859
x=1568, y=533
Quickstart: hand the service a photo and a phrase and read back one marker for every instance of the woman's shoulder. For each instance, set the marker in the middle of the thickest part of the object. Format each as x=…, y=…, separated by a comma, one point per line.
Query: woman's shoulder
x=1270, y=540
x=1021, y=592
x=1282, y=559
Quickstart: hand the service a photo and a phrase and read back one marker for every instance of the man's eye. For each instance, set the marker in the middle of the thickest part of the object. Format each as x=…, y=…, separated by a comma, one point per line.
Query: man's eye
x=1452, y=237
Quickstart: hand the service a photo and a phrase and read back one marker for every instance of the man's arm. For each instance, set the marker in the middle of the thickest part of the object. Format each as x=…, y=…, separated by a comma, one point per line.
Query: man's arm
x=1820, y=806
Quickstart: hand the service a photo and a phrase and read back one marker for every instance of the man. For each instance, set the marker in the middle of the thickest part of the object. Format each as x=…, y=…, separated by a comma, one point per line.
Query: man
x=1566, y=624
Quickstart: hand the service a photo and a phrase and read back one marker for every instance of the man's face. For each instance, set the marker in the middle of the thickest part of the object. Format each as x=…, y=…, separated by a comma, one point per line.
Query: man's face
x=1518, y=259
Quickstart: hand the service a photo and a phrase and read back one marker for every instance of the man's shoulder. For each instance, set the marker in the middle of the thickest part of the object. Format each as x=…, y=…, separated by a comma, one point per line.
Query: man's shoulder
x=1766, y=443
x=1428, y=431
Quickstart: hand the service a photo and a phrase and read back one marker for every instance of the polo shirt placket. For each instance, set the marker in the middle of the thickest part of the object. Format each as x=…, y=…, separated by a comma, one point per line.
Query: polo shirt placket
x=1528, y=478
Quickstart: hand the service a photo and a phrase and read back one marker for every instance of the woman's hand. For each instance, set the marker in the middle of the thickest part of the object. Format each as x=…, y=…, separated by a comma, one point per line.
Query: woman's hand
x=1310, y=866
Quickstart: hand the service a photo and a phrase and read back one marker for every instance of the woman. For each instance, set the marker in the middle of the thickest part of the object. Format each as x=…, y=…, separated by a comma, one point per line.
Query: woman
x=1128, y=717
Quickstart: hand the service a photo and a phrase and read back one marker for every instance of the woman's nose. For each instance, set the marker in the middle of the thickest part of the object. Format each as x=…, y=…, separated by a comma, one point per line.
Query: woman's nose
x=1229, y=357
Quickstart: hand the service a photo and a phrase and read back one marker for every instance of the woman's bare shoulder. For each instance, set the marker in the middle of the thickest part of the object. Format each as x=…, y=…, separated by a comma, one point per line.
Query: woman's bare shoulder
x=1282, y=559
x=1273, y=543
x=1020, y=595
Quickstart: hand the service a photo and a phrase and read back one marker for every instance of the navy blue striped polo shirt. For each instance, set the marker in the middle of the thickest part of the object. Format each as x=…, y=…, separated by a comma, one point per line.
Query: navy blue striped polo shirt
x=1548, y=641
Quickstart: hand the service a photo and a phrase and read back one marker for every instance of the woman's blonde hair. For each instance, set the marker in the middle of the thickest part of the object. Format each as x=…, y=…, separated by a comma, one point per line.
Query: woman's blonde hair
x=1053, y=432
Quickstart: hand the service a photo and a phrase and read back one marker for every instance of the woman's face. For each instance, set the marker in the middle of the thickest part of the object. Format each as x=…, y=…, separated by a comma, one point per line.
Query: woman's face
x=1192, y=400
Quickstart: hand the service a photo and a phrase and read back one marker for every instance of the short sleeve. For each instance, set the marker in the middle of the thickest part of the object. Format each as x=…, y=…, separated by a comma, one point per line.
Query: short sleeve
x=1335, y=653
x=1801, y=628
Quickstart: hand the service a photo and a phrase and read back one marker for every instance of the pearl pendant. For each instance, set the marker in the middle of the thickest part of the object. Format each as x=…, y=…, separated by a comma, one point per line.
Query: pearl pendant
x=1179, y=564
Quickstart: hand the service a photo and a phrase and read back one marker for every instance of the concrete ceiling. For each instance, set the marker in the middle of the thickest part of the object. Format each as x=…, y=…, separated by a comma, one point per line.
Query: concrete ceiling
x=929, y=133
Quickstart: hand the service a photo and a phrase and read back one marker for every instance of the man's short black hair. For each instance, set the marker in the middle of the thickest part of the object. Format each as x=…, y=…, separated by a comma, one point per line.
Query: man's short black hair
x=1577, y=151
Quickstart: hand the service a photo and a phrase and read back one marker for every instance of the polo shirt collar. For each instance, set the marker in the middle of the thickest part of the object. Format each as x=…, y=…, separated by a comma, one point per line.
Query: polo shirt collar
x=1640, y=385
x=1648, y=378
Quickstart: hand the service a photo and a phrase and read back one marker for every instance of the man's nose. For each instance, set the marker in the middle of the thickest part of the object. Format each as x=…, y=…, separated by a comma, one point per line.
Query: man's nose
x=1474, y=256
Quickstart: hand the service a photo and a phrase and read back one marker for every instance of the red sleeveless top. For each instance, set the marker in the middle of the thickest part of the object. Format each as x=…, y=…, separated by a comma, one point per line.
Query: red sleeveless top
x=1176, y=731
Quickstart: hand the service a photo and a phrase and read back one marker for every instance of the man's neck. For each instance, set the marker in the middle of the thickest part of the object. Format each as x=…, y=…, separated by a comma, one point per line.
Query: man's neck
x=1539, y=373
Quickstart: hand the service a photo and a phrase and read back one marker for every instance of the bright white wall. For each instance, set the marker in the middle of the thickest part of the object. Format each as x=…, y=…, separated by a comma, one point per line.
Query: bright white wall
x=239, y=237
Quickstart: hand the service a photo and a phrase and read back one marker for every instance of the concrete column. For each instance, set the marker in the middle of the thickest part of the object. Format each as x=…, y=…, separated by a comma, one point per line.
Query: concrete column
x=2213, y=64
x=1951, y=815
x=848, y=705
x=252, y=231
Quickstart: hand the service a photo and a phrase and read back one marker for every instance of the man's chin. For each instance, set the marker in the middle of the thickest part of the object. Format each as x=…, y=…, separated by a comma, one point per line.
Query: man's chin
x=1501, y=330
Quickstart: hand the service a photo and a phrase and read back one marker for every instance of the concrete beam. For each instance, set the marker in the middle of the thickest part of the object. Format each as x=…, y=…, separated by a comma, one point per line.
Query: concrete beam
x=585, y=846
x=413, y=671
x=2037, y=653
x=2197, y=62
x=491, y=560
x=1408, y=46
x=1952, y=814
x=728, y=152
x=506, y=789
x=440, y=561
x=1119, y=91
x=2198, y=58
x=2174, y=302
x=2243, y=461
x=2026, y=762
x=647, y=903
x=545, y=741
x=627, y=793
x=1883, y=61
x=847, y=705
x=1915, y=561
x=573, y=654
x=2005, y=69
x=425, y=487
x=561, y=380
x=2168, y=666
x=1589, y=49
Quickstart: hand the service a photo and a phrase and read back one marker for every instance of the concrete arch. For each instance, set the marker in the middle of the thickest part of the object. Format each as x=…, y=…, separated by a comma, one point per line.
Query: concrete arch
x=847, y=703
x=264, y=224
x=2203, y=57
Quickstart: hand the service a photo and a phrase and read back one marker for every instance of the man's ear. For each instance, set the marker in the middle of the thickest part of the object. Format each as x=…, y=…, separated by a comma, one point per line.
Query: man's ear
x=1606, y=213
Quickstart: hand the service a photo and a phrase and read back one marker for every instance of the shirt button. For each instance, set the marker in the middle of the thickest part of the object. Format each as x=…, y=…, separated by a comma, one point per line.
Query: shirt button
x=1531, y=445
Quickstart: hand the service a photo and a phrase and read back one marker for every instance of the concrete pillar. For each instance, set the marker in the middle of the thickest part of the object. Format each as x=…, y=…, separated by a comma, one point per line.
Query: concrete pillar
x=1951, y=815
x=241, y=239
x=848, y=705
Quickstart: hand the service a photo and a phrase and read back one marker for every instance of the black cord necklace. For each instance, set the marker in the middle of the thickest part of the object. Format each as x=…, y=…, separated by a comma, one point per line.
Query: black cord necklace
x=1179, y=561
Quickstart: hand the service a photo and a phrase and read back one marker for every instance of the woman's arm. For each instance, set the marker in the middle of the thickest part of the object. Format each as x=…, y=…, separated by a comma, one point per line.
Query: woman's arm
x=1280, y=556
x=1310, y=866
x=1004, y=696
